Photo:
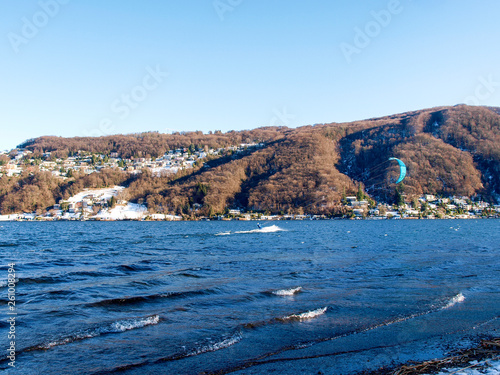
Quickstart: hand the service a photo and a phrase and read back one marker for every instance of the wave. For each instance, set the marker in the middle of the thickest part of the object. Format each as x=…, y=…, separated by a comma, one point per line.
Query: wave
x=115, y=327
x=60, y=278
x=128, y=324
x=150, y=298
x=270, y=229
x=318, y=312
x=133, y=268
x=6, y=244
x=218, y=345
x=91, y=274
x=212, y=346
x=293, y=317
x=59, y=293
x=449, y=303
x=41, y=280
x=287, y=292
x=306, y=315
x=187, y=274
x=223, y=234
x=455, y=300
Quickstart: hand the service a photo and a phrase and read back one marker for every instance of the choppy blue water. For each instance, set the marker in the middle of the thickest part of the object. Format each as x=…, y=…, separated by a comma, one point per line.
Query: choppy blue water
x=340, y=297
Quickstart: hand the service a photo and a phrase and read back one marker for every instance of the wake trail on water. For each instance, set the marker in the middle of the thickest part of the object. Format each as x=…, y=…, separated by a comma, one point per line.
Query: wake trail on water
x=269, y=229
x=287, y=292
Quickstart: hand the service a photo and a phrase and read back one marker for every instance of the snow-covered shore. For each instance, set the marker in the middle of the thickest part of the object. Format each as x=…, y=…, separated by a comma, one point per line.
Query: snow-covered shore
x=93, y=204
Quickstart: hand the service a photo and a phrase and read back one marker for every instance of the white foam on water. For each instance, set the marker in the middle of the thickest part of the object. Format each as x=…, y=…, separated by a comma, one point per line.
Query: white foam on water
x=125, y=325
x=67, y=340
x=212, y=347
x=269, y=229
x=452, y=302
x=457, y=299
x=223, y=234
x=306, y=315
x=115, y=327
x=287, y=292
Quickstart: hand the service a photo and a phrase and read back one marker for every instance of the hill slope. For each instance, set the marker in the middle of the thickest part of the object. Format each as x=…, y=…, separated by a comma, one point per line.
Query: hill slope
x=448, y=151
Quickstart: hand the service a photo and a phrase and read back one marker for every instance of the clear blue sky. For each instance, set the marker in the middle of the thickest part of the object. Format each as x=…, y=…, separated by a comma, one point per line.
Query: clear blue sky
x=85, y=66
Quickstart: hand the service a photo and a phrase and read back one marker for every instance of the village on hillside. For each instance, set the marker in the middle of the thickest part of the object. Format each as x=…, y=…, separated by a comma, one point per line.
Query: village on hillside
x=108, y=205
x=16, y=161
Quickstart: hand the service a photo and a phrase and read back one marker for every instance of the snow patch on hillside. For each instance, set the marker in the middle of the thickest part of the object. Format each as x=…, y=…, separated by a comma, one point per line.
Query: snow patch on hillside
x=130, y=211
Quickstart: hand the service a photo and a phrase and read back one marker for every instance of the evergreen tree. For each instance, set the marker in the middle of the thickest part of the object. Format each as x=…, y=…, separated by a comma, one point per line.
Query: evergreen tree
x=399, y=198
x=360, y=195
x=112, y=202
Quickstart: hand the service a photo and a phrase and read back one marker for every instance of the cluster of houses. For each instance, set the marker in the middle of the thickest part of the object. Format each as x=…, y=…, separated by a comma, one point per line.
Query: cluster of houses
x=107, y=204
x=170, y=163
x=427, y=206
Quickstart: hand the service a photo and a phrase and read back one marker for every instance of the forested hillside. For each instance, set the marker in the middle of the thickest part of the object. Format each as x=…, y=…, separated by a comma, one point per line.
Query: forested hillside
x=147, y=145
x=448, y=151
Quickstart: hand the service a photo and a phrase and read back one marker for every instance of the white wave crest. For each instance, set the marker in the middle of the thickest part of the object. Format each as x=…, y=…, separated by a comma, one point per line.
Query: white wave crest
x=62, y=341
x=125, y=325
x=287, y=292
x=212, y=347
x=306, y=315
x=452, y=302
x=223, y=234
x=269, y=229
x=115, y=327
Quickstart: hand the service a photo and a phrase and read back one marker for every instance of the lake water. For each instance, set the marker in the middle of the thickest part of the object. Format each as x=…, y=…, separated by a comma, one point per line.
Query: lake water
x=337, y=297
